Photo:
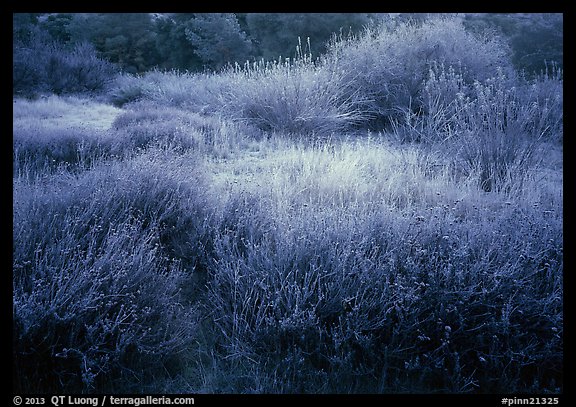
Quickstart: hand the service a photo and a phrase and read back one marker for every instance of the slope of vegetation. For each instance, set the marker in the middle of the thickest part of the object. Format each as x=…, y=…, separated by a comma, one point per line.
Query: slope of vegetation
x=384, y=219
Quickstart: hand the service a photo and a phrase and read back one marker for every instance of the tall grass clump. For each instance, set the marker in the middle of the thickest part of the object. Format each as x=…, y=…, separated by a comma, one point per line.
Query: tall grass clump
x=293, y=97
x=197, y=92
x=288, y=96
x=100, y=261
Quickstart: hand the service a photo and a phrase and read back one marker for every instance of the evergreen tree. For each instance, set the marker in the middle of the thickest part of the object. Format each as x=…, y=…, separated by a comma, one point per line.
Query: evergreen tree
x=276, y=34
x=218, y=39
x=58, y=26
x=24, y=25
x=126, y=39
x=174, y=49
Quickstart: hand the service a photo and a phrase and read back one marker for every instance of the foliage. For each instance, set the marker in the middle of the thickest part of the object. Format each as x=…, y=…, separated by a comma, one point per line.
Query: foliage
x=45, y=66
x=24, y=25
x=218, y=39
x=95, y=297
x=58, y=26
x=174, y=49
x=536, y=39
x=125, y=39
x=276, y=34
x=389, y=66
x=138, y=42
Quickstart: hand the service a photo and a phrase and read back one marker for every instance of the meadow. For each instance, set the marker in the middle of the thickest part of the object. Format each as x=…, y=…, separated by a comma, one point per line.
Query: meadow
x=385, y=219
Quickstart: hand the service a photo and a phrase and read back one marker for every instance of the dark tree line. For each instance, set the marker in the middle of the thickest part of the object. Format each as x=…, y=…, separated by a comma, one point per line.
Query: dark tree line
x=138, y=42
x=536, y=39
x=56, y=52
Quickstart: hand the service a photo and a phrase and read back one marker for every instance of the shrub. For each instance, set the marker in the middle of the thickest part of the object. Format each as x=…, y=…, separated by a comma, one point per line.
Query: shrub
x=147, y=124
x=43, y=149
x=50, y=67
x=489, y=128
x=99, y=265
x=125, y=88
x=101, y=317
x=293, y=97
x=339, y=277
x=197, y=92
x=345, y=301
x=388, y=66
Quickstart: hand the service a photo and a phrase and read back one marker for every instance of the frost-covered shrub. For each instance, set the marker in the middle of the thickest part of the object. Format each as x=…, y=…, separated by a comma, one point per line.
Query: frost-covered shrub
x=197, y=92
x=390, y=65
x=295, y=97
x=99, y=316
x=37, y=148
x=100, y=261
x=350, y=300
x=125, y=88
x=490, y=128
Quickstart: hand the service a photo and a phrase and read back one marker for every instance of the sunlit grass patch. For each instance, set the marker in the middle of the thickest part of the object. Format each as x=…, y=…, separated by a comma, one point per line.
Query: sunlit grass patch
x=63, y=111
